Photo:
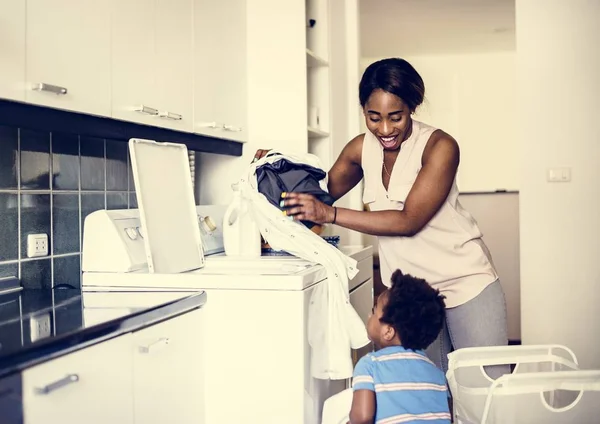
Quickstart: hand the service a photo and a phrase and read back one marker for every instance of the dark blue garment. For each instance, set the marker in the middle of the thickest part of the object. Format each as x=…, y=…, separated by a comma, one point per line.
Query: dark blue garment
x=286, y=176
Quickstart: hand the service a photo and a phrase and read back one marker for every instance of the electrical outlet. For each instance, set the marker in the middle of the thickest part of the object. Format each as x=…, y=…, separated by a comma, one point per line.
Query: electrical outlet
x=39, y=326
x=37, y=245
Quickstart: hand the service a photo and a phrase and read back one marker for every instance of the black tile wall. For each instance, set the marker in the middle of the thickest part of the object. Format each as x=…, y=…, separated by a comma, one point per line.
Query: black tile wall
x=49, y=183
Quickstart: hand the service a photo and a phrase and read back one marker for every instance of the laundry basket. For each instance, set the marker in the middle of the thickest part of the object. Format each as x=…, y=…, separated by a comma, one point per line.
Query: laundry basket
x=337, y=408
x=569, y=397
x=470, y=385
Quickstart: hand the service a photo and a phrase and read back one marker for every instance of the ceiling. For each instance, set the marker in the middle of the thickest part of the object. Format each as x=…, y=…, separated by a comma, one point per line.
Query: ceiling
x=421, y=27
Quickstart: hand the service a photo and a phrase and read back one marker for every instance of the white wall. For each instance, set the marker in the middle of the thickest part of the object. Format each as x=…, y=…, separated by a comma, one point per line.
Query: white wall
x=558, y=64
x=472, y=97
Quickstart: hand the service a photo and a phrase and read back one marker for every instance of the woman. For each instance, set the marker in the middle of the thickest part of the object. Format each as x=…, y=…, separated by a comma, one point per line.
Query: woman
x=409, y=170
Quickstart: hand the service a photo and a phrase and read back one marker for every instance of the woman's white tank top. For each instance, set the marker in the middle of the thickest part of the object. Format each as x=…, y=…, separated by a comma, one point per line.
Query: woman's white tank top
x=448, y=252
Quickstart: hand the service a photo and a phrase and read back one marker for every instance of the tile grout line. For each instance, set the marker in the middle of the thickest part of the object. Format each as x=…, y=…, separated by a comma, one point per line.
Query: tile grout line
x=105, y=176
x=79, y=215
x=19, y=248
x=51, y=235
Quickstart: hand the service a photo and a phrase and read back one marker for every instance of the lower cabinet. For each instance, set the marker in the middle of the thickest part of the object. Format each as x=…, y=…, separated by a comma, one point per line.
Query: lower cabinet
x=154, y=375
x=92, y=386
x=167, y=372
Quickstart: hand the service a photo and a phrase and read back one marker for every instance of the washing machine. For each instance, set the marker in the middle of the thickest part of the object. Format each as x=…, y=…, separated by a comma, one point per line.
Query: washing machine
x=256, y=353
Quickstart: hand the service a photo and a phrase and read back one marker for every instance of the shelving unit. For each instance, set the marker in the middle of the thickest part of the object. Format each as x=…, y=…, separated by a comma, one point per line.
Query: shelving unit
x=318, y=80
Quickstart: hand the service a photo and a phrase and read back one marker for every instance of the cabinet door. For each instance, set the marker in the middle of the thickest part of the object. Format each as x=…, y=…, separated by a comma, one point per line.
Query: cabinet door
x=133, y=65
x=68, y=46
x=12, y=49
x=231, y=98
x=92, y=386
x=168, y=371
x=174, y=63
x=206, y=30
x=361, y=299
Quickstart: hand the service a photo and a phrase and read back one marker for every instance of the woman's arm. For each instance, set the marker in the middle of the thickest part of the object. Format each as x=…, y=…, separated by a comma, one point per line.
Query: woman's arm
x=346, y=172
x=440, y=162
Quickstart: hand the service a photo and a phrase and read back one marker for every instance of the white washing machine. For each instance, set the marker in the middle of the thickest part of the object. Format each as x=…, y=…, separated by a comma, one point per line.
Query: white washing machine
x=257, y=356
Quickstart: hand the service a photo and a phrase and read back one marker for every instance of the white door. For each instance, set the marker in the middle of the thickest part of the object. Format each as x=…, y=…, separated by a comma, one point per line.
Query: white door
x=231, y=98
x=12, y=49
x=68, y=50
x=168, y=371
x=174, y=63
x=206, y=72
x=91, y=386
x=133, y=61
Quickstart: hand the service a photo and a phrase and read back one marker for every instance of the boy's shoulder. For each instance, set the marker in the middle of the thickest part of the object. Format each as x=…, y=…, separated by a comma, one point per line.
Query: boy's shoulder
x=396, y=352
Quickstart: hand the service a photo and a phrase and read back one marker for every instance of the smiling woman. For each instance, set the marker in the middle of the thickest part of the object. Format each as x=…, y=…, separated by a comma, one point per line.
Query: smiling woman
x=409, y=172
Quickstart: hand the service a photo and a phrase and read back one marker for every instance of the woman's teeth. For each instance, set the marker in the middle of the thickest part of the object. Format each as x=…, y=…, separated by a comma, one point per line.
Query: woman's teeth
x=388, y=141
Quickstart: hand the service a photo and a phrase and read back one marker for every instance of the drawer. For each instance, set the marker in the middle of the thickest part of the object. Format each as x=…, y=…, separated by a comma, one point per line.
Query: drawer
x=93, y=385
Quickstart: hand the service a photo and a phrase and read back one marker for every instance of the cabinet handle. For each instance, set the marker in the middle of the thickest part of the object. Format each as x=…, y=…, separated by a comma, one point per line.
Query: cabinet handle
x=171, y=115
x=65, y=381
x=40, y=86
x=146, y=110
x=231, y=128
x=154, y=346
x=210, y=125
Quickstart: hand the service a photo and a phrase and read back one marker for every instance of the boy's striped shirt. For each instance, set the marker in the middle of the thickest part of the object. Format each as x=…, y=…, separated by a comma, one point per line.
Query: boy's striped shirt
x=408, y=387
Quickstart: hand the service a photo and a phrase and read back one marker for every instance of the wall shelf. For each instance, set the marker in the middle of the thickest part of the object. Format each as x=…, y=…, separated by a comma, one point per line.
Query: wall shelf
x=314, y=61
x=317, y=133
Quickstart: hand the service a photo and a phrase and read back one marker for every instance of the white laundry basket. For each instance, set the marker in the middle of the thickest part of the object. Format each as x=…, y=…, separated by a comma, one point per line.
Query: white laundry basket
x=337, y=408
x=470, y=385
x=569, y=397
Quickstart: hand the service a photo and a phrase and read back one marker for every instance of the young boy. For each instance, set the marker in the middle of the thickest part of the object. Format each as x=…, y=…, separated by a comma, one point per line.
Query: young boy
x=398, y=383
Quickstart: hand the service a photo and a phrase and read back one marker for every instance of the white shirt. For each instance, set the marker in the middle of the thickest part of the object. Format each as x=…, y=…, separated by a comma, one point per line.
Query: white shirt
x=448, y=252
x=334, y=327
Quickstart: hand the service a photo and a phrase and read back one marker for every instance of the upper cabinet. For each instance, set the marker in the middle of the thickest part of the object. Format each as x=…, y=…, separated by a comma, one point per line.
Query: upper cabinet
x=12, y=49
x=178, y=64
x=152, y=62
x=68, y=55
x=173, y=63
x=133, y=72
x=220, y=69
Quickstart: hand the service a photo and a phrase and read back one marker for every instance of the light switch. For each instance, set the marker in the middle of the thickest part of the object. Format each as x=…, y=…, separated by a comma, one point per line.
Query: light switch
x=558, y=175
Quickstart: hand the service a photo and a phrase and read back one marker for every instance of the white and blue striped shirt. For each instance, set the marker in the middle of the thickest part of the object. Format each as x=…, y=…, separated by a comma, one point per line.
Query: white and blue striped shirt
x=408, y=387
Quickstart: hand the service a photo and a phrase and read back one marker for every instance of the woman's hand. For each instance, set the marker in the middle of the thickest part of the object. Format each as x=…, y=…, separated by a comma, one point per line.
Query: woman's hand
x=305, y=207
x=260, y=153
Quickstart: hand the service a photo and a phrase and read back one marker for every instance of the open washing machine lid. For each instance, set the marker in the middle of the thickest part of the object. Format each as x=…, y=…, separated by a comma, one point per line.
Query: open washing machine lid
x=165, y=196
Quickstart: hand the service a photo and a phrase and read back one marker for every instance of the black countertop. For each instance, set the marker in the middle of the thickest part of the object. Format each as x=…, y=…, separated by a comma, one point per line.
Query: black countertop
x=64, y=327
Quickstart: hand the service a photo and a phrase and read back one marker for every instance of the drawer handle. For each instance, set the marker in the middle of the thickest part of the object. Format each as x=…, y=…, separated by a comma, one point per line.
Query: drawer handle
x=65, y=381
x=210, y=125
x=231, y=128
x=40, y=86
x=171, y=115
x=155, y=346
x=146, y=110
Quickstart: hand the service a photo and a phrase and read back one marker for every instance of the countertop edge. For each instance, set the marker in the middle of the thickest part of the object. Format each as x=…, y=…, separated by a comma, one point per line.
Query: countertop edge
x=71, y=342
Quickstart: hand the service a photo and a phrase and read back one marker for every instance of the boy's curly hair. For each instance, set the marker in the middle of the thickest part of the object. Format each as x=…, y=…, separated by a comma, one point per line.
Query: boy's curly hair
x=415, y=310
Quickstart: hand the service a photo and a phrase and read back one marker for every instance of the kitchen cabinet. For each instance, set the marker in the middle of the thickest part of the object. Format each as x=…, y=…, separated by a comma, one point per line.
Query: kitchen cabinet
x=93, y=385
x=167, y=371
x=152, y=62
x=174, y=63
x=220, y=69
x=68, y=55
x=12, y=49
